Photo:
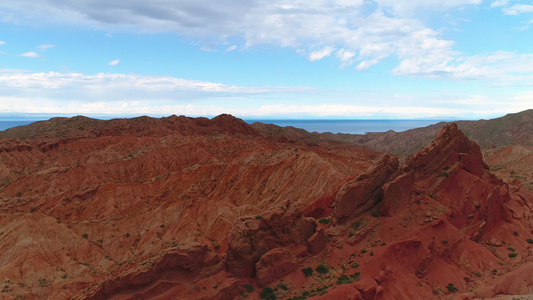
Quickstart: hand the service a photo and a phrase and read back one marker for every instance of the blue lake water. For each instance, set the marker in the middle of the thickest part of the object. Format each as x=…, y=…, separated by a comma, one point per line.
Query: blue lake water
x=8, y=124
x=322, y=125
x=350, y=126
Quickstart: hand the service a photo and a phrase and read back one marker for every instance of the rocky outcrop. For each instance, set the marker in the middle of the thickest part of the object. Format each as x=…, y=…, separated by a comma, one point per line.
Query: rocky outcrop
x=275, y=264
x=449, y=147
x=176, y=267
x=250, y=238
x=396, y=194
x=364, y=192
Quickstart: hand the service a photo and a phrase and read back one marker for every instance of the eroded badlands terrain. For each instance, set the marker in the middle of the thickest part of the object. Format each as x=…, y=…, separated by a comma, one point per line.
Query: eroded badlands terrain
x=183, y=208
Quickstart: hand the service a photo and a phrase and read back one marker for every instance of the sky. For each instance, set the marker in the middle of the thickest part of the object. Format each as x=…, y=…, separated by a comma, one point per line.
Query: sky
x=349, y=59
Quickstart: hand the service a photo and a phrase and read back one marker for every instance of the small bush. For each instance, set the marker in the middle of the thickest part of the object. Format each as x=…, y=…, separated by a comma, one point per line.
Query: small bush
x=258, y=217
x=511, y=249
x=249, y=288
x=356, y=225
x=268, y=294
x=444, y=174
x=324, y=221
x=451, y=288
x=445, y=242
x=307, y=271
x=516, y=233
x=513, y=255
x=529, y=241
x=322, y=269
x=477, y=274
x=283, y=286
x=343, y=280
x=85, y=236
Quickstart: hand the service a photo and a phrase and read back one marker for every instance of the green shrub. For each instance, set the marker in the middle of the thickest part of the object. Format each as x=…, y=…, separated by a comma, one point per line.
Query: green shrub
x=324, y=221
x=307, y=271
x=249, y=288
x=85, y=236
x=322, y=269
x=513, y=255
x=343, y=279
x=258, y=217
x=268, y=294
x=283, y=286
x=356, y=225
x=529, y=241
x=477, y=274
x=451, y=288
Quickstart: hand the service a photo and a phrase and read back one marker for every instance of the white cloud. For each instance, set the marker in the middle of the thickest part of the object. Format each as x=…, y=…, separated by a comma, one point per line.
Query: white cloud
x=129, y=95
x=357, y=26
x=114, y=62
x=518, y=9
x=231, y=48
x=498, y=3
x=30, y=54
x=2, y=43
x=320, y=54
x=366, y=64
x=45, y=47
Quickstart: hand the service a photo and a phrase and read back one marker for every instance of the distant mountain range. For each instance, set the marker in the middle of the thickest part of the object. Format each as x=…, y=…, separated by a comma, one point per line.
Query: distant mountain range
x=512, y=129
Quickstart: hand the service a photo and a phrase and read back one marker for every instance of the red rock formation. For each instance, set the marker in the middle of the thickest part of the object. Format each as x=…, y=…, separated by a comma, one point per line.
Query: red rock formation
x=362, y=193
x=208, y=209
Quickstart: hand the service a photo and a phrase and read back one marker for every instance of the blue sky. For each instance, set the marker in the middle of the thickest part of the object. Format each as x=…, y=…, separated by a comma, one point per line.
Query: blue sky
x=415, y=59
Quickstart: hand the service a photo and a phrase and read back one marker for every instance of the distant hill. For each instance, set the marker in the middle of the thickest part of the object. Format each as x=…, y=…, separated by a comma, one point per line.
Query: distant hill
x=512, y=129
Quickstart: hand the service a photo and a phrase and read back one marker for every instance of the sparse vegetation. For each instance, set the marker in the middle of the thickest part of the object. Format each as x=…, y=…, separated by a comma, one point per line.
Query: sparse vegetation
x=322, y=268
x=451, y=288
x=85, y=236
x=513, y=254
x=268, y=293
x=343, y=279
x=249, y=288
x=307, y=271
x=324, y=221
x=529, y=241
x=258, y=217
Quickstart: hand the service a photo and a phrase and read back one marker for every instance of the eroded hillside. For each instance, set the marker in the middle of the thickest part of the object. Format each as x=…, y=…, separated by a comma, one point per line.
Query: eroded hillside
x=210, y=209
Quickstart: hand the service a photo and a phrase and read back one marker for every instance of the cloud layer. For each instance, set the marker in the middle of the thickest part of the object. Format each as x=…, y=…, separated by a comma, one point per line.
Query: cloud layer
x=358, y=33
x=130, y=95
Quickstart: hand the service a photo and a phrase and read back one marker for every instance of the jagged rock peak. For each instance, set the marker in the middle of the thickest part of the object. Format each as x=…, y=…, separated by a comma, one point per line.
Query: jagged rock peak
x=449, y=146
